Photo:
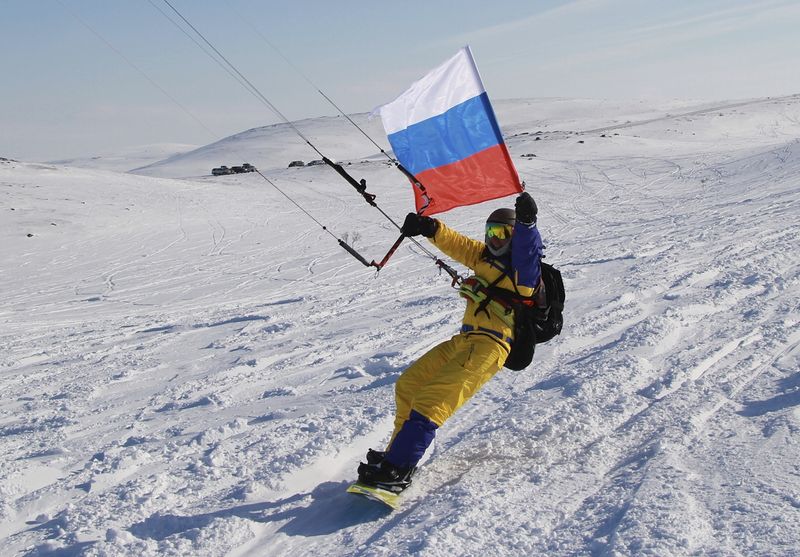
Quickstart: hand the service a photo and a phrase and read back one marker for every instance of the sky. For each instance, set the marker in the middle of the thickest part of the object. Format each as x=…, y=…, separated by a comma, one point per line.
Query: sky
x=95, y=77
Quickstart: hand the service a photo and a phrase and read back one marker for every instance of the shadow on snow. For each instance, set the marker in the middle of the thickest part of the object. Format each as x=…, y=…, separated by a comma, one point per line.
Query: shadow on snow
x=789, y=397
x=331, y=509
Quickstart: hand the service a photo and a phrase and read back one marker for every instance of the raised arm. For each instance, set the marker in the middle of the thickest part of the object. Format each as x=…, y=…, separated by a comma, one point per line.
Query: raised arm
x=526, y=254
x=526, y=246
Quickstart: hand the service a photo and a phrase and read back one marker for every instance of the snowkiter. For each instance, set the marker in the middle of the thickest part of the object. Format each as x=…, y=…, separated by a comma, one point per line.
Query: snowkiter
x=443, y=379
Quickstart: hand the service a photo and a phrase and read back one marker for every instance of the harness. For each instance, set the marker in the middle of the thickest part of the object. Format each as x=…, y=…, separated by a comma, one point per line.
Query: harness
x=535, y=319
x=491, y=298
x=470, y=328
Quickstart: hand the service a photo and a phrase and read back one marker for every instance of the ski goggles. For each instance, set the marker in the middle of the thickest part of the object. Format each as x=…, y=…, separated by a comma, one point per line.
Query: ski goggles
x=498, y=230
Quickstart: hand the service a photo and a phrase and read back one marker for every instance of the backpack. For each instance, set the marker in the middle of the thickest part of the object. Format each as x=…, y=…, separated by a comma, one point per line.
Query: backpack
x=550, y=320
x=532, y=324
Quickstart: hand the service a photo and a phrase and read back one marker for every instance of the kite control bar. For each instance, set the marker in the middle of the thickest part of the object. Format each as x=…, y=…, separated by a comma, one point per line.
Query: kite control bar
x=361, y=187
x=349, y=249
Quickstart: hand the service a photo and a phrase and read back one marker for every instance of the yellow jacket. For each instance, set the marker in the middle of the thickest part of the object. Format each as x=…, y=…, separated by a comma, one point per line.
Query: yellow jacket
x=470, y=252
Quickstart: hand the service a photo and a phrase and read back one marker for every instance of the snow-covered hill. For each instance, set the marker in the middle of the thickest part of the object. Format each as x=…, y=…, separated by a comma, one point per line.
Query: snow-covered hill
x=131, y=159
x=194, y=367
x=274, y=147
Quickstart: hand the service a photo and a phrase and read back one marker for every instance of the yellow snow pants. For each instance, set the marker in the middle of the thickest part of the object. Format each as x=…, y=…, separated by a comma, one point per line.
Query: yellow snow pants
x=443, y=379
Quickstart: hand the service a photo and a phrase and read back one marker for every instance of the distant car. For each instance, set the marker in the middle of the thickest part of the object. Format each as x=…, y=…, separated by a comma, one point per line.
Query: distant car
x=237, y=169
x=249, y=167
x=296, y=163
x=221, y=171
x=316, y=162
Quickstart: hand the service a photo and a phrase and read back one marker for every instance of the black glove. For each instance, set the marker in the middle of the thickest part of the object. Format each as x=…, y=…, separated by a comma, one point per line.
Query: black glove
x=525, y=208
x=415, y=225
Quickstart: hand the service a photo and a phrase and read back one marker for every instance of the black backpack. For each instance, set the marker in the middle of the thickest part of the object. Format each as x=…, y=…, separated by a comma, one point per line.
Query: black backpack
x=549, y=321
x=535, y=325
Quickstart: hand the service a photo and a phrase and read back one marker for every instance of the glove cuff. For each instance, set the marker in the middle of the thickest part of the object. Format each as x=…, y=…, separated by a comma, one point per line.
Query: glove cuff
x=429, y=227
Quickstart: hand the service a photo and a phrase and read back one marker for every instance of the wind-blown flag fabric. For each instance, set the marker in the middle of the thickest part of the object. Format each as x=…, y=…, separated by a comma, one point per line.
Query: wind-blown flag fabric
x=443, y=131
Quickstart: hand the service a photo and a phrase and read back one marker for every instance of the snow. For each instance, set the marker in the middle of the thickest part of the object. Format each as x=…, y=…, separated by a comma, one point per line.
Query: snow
x=191, y=366
x=274, y=147
x=130, y=159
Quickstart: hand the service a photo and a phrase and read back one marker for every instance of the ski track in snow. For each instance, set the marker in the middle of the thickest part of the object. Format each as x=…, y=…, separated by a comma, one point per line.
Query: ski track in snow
x=193, y=367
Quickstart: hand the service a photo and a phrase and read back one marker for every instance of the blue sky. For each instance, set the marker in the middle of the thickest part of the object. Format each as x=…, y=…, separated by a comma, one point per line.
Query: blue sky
x=66, y=92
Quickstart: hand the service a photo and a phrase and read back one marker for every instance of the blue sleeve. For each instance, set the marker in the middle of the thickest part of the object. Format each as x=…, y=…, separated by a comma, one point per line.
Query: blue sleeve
x=526, y=255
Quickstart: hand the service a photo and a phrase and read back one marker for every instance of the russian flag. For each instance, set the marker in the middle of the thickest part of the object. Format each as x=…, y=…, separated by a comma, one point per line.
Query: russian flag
x=443, y=131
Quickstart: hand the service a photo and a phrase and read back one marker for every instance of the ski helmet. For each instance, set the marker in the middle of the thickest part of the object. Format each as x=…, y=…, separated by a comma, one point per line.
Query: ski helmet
x=504, y=216
x=499, y=227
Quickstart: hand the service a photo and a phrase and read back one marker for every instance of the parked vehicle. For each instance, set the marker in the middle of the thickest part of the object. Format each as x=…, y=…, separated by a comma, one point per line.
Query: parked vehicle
x=296, y=163
x=316, y=162
x=221, y=171
x=249, y=167
x=237, y=169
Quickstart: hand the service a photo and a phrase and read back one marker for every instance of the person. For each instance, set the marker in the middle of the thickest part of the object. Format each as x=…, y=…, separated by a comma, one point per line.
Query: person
x=442, y=380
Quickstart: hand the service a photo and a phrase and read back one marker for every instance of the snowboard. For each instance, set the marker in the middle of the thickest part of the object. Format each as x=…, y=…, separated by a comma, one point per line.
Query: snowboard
x=388, y=498
x=391, y=500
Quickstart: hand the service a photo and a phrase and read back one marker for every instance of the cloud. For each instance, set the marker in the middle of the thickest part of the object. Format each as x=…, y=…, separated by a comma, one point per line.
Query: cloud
x=620, y=47
x=729, y=18
x=500, y=31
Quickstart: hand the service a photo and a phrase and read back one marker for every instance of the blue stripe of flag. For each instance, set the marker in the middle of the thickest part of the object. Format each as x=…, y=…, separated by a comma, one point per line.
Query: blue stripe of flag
x=464, y=130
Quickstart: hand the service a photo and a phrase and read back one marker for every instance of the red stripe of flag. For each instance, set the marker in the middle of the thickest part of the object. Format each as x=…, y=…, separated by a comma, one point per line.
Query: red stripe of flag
x=490, y=170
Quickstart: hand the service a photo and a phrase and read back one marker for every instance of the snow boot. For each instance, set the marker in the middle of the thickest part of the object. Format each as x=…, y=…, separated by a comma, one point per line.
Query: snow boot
x=385, y=475
x=375, y=457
